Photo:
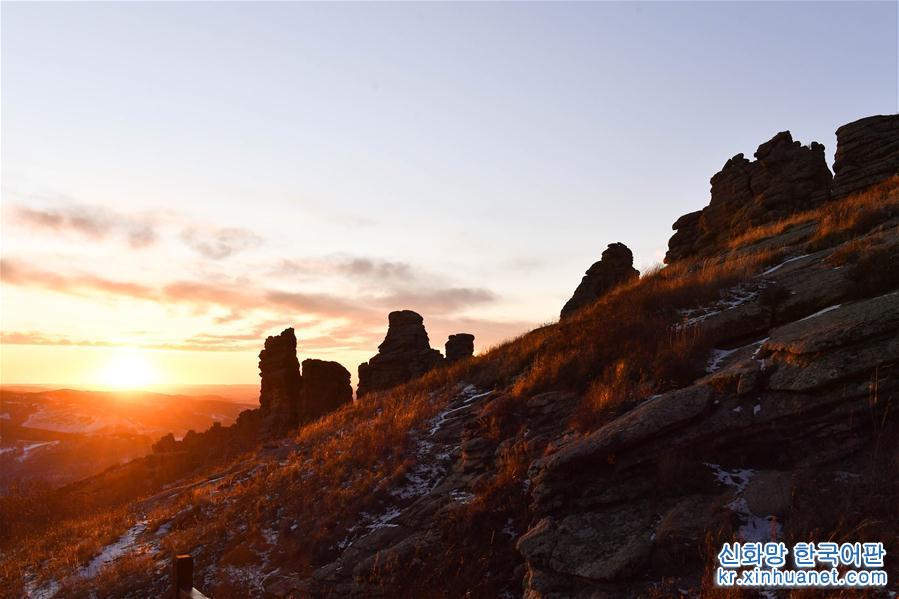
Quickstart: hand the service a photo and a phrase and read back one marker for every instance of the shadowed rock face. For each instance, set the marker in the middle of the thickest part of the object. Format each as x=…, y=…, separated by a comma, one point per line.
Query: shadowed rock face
x=626, y=503
x=459, y=347
x=867, y=153
x=614, y=267
x=326, y=387
x=287, y=398
x=281, y=386
x=785, y=178
x=404, y=354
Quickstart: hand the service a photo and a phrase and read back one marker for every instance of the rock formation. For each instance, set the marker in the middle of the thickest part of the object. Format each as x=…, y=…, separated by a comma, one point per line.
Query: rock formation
x=404, y=354
x=614, y=267
x=326, y=387
x=459, y=347
x=785, y=178
x=641, y=493
x=780, y=436
x=867, y=153
x=279, y=394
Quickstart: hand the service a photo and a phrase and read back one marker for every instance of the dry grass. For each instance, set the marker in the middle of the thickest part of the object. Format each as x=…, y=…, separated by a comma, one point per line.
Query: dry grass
x=836, y=221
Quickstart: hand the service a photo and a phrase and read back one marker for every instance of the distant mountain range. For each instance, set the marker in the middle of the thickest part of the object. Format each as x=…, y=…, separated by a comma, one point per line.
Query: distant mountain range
x=54, y=436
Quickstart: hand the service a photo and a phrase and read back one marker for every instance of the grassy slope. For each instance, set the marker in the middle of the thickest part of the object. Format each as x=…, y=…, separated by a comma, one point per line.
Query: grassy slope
x=622, y=349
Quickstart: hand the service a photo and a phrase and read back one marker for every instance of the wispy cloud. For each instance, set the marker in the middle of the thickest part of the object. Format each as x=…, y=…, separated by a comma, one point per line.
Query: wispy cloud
x=241, y=296
x=437, y=301
x=353, y=267
x=13, y=272
x=223, y=343
x=95, y=222
x=138, y=230
x=217, y=244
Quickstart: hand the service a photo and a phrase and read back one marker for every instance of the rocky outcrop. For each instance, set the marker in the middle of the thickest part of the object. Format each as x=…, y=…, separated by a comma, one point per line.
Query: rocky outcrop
x=326, y=387
x=867, y=153
x=459, y=347
x=786, y=177
x=795, y=404
x=404, y=354
x=616, y=266
x=281, y=385
x=288, y=398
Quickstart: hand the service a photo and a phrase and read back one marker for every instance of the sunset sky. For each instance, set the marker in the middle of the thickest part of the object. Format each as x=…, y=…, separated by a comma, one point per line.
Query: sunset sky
x=181, y=180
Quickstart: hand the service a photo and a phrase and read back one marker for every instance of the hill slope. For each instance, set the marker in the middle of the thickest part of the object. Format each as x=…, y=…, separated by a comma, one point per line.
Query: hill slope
x=749, y=393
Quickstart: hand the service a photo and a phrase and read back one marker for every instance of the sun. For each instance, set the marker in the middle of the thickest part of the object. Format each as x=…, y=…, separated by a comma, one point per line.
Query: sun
x=128, y=371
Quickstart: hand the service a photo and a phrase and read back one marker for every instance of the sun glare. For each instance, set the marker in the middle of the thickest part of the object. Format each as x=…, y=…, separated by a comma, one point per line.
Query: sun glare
x=128, y=371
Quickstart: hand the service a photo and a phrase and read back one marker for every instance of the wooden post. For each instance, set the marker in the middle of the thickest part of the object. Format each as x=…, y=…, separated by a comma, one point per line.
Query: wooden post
x=182, y=575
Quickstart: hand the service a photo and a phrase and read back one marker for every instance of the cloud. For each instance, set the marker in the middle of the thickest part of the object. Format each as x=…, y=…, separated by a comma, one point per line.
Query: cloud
x=95, y=222
x=440, y=300
x=195, y=344
x=244, y=295
x=217, y=244
x=138, y=230
x=377, y=269
x=321, y=304
x=356, y=321
x=17, y=273
x=354, y=268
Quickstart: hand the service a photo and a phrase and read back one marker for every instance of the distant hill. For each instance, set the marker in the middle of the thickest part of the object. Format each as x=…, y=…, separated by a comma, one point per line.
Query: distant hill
x=54, y=436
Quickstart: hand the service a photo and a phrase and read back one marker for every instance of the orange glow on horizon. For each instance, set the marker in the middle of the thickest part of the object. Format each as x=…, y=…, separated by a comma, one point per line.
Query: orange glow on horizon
x=129, y=370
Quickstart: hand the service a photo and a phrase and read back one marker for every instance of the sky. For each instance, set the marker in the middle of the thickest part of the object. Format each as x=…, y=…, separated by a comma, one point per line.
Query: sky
x=180, y=180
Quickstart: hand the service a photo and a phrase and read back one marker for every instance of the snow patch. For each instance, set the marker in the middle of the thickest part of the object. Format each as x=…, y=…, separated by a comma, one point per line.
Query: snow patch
x=509, y=529
x=270, y=535
x=46, y=591
x=250, y=576
x=787, y=261
x=738, y=479
x=28, y=448
x=718, y=356
x=733, y=297
x=755, y=528
x=432, y=463
x=113, y=551
x=752, y=527
x=462, y=497
x=820, y=312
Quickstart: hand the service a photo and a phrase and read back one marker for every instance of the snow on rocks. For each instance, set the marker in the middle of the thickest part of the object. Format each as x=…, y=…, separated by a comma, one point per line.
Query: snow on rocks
x=752, y=527
x=250, y=577
x=717, y=357
x=738, y=479
x=432, y=462
x=47, y=590
x=820, y=312
x=782, y=264
x=462, y=497
x=509, y=529
x=733, y=298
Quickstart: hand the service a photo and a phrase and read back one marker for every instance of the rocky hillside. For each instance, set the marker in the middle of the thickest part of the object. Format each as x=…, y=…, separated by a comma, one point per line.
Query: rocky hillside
x=747, y=390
